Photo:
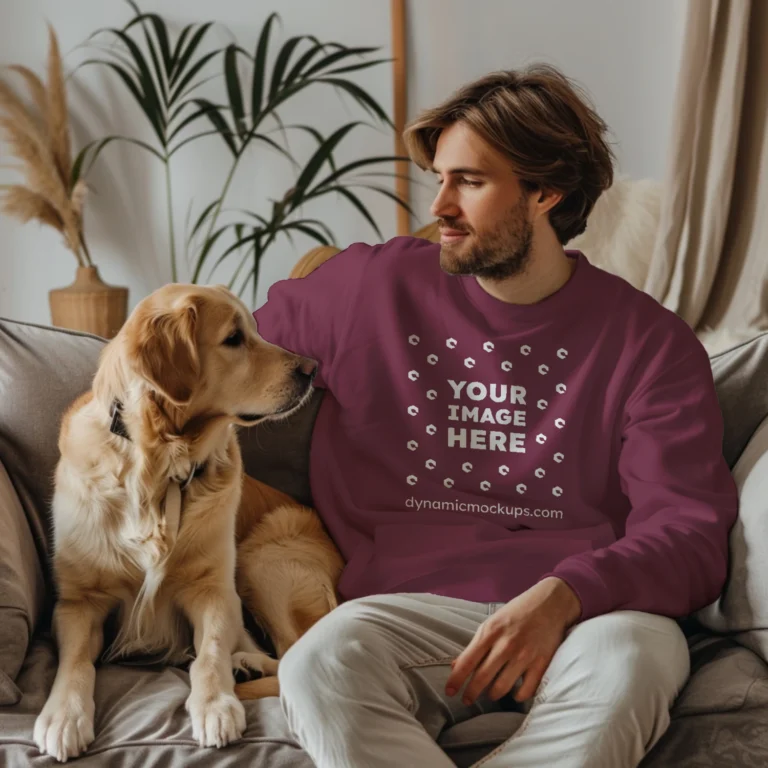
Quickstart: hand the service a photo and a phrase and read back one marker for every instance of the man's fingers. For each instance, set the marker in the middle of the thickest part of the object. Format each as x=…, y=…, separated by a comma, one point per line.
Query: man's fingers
x=531, y=679
x=466, y=663
x=485, y=673
x=506, y=679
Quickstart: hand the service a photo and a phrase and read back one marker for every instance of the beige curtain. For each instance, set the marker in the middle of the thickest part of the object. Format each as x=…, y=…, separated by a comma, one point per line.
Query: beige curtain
x=710, y=262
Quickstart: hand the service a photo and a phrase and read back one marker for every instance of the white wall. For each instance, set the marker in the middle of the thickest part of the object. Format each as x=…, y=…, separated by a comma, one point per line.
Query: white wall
x=626, y=55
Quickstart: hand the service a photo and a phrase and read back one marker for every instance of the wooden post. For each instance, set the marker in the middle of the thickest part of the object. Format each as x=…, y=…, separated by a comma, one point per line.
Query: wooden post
x=402, y=188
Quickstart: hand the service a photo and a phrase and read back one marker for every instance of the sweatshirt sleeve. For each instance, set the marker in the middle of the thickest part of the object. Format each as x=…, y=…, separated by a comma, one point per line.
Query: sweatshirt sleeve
x=309, y=315
x=673, y=558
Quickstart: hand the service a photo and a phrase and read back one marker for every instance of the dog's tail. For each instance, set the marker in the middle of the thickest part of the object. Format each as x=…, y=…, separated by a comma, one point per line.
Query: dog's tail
x=258, y=689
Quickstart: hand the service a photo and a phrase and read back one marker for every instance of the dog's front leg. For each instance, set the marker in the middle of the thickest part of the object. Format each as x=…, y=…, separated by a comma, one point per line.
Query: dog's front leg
x=217, y=715
x=64, y=728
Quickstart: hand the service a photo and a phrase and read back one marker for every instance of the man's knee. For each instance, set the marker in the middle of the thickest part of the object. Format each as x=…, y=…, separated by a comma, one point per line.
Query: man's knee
x=625, y=657
x=343, y=642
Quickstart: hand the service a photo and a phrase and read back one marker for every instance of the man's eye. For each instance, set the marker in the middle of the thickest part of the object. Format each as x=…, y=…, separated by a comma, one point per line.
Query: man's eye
x=470, y=183
x=235, y=340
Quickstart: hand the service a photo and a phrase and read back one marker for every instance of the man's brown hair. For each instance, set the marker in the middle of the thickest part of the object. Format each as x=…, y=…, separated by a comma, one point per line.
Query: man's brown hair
x=543, y=123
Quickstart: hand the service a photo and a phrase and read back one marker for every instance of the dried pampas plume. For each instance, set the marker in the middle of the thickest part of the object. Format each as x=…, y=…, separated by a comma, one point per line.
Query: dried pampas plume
x=40, y=139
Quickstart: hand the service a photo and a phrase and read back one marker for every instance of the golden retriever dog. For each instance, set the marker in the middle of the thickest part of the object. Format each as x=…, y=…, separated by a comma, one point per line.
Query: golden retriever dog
x=154, y=520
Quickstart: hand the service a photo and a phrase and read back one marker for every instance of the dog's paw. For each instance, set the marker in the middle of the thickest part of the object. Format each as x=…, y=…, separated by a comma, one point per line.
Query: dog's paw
x=252, y=665
x=217, y=721
x=63, y=729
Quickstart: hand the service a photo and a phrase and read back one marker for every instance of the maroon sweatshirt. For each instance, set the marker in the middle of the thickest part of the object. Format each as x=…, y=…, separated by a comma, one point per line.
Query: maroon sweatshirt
x=468, y=447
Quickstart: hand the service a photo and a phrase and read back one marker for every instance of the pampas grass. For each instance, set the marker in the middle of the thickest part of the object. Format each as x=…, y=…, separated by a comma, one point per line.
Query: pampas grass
x=39, y=139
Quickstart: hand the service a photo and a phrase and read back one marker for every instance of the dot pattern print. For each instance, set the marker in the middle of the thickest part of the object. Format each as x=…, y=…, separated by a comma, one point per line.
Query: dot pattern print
x=431, y=443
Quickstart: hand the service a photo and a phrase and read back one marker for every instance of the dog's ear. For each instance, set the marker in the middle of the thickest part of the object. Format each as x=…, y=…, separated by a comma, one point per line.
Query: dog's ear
x=166, y=352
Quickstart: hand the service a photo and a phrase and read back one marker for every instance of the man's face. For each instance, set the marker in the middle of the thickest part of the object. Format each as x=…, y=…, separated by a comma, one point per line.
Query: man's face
x=485, y=222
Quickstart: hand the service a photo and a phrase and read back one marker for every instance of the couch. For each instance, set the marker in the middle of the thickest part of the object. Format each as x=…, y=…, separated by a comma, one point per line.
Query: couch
x=719, y=719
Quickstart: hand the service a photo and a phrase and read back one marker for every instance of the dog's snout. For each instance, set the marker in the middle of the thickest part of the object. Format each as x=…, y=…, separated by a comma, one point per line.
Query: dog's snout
x=306, y=370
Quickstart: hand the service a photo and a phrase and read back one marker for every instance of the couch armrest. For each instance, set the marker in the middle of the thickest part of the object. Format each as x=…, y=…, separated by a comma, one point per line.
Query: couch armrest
x=430, y=232
x=312, y=259
x=21, y=588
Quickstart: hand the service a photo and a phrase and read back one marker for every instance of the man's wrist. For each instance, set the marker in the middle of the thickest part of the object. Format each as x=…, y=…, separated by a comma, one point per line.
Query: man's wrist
x=566, y=598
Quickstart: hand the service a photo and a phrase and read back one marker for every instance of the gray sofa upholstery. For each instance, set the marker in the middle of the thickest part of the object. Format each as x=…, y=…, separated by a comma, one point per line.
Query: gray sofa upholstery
x=720, y=718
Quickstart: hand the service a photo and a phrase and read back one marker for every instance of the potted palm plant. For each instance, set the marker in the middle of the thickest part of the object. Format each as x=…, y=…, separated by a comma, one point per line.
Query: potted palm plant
x=162, y=72
x=53, y=195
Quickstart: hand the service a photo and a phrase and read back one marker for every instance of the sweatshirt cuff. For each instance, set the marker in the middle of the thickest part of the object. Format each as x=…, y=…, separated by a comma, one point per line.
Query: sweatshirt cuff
x=594, y=594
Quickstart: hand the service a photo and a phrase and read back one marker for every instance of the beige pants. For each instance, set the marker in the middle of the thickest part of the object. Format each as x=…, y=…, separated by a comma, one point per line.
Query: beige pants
x=365, y=687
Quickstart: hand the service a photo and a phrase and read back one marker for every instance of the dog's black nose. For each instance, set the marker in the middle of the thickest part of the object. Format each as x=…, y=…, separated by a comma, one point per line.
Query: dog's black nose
x=306, y=370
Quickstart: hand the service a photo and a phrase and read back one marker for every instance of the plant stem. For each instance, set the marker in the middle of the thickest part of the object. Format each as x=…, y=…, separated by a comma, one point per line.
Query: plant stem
x=217, y=211
x=80, y=262
x=171, y=235
x=85, y=250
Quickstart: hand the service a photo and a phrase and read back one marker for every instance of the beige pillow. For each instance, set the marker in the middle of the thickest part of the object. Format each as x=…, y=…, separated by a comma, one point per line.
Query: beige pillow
x=743, y=606
x=21, y=588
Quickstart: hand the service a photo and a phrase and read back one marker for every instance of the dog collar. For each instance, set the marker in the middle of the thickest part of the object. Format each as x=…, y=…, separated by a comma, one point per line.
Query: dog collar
x=197, y=470
x=117, y=427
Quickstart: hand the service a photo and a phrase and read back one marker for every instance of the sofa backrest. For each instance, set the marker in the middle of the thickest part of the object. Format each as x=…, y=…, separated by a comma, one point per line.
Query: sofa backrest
x=741, y=379
x=42, y=370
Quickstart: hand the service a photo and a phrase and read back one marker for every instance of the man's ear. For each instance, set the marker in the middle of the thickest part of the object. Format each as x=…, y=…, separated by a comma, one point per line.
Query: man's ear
x=547, y=199
x=166, y=352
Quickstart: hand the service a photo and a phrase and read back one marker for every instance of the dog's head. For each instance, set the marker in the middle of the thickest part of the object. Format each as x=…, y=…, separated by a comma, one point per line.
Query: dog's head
x=197, y=347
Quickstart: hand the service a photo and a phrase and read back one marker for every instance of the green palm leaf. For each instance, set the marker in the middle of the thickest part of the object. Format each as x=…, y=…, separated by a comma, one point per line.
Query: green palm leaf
x=362, y=97
x=386, y=192
x=161, y=33
x=281, y=64
x=184, y=80
x=93, y=149
x=182, y=59
x=234, y=90
x=213, y=113
x=299, y=67
x=201, y=219
x=337, y=56
x=355, y=201
x=321, y=156
x=345, y=169
x=260, y=66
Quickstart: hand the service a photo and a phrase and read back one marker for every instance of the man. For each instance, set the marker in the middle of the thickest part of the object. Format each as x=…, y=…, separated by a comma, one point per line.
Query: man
x=518, y=455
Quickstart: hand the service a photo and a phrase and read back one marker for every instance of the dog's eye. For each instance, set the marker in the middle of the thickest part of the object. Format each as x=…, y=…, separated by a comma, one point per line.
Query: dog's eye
x=235, y=339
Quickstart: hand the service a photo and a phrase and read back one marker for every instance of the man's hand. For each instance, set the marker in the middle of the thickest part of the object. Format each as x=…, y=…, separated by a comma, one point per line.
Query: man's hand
x=519, y=639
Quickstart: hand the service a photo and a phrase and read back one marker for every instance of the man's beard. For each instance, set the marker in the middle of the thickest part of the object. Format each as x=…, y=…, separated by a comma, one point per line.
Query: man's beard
x=495, y=255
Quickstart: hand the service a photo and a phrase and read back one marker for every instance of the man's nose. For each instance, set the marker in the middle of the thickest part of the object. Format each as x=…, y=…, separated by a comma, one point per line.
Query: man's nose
x=444, y=206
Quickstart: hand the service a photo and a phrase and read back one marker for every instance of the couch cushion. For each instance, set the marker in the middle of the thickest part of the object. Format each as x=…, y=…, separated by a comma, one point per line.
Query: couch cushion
x=721, y=715
x=42, y=370
x=743, y=606
x=21, y=588
x=277, y=452
x=722, y=675
x=742, y=390
x=141, y=720
x=472, y=739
